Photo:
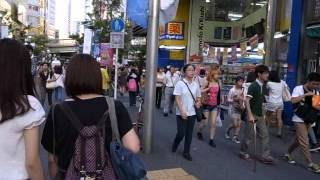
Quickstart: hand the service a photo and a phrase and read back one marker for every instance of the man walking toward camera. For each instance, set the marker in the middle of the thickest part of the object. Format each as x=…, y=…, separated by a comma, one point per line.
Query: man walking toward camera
x=254, y=105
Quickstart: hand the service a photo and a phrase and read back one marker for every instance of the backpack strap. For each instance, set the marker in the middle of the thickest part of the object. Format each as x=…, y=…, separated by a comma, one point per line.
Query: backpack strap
x=76, y=123
x=113, y=119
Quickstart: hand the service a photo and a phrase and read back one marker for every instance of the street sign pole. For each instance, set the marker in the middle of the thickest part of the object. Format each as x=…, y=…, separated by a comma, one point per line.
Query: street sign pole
x=116, y=74
x=152, y=59
x=117, y=26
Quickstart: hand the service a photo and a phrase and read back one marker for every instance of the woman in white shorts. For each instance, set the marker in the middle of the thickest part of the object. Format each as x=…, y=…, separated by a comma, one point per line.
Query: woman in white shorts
x=274, y=105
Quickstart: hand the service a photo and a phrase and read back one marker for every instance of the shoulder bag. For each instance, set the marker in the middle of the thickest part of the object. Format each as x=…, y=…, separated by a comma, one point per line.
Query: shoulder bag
x=127, y=165
x=306, y=112
x=199, y=113
x=286, y=96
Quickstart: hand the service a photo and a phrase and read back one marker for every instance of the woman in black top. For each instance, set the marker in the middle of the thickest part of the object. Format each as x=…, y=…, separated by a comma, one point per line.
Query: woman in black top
x=83, y=83
x=46, y=74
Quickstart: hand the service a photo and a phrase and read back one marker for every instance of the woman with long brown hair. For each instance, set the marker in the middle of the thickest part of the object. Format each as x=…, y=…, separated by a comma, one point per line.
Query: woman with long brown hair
x=210, y=108
x=21, y=115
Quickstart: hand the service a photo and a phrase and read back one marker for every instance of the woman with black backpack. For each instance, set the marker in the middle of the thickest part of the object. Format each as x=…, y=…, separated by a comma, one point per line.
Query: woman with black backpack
x=78, y=131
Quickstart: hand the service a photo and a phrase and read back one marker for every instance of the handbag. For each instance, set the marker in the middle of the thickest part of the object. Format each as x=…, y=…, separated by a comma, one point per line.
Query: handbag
x=126, y=165
x=286, y=96
x=306, y=112
x=198, y=111
x=52, y=83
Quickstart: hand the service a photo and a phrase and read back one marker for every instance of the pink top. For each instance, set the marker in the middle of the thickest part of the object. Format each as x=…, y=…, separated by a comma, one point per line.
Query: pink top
x=213, y=95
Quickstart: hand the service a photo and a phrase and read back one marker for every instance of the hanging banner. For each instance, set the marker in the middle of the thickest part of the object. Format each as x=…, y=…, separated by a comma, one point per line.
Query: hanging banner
x=234, y=53
x=87, y=41
x=254, y=41
x=106, y=54
x=225, y=54
x=243, y=47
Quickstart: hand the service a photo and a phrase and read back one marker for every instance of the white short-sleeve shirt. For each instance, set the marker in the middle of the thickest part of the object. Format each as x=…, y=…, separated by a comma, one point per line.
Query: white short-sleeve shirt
x=12, y=149
x=181, y=89
x=297, y=91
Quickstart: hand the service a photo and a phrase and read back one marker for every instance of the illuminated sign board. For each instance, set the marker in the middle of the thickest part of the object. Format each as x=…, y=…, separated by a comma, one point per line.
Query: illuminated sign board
x=173, y=31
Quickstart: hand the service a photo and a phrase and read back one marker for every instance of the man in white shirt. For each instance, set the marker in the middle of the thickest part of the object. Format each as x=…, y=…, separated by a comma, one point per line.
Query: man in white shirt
x=55, y=62
x=304, y=93
x=170, y=81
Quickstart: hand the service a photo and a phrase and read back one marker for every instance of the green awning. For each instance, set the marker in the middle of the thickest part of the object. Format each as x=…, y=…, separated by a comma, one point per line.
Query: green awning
x=313, y=31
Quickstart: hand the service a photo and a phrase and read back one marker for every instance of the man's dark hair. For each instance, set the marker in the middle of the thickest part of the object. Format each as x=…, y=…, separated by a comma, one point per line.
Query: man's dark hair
x=29, y=47
x=16, y=79
x=260, y=69
x=314, y=77
x=83, y=76
x=239, y=78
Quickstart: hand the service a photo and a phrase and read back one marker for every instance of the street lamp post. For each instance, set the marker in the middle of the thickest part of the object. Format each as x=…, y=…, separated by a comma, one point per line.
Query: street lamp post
x=152, y=57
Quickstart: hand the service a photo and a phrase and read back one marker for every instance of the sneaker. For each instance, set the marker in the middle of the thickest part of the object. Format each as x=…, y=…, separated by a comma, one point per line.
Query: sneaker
x=314, y=147
x=170, y=111
x=227, y=135
x=314, y=168
x=289, y=159
x=187, y=156
x=236, y=140
x=245, y=156
x=267, y=160
x=200, y=136
x=212, y=144
x=165, y=114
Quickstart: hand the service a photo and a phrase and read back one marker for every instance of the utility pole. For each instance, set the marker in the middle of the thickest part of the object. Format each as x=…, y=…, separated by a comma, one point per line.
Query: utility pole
x=152, y=59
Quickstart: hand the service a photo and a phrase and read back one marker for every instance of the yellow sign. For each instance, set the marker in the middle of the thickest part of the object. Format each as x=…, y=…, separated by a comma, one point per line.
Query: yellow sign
x=177, y=55
x=177, y=31
x=175, y=28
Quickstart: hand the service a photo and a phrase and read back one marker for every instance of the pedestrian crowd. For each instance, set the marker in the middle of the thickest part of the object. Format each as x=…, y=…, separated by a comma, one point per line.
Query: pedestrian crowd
x=256, y=102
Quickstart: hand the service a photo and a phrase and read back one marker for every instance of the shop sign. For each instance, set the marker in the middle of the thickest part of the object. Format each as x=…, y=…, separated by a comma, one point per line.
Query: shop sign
x=201, y=27
x=243, y=47
x=177, y=55
x=173, y=31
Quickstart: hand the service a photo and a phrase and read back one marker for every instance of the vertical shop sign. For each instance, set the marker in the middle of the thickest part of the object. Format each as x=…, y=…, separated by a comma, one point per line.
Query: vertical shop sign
x=225, y=54
x=201, y=26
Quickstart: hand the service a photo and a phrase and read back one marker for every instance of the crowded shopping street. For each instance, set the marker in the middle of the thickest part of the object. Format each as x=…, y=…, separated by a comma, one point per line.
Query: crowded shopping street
x=159, y=89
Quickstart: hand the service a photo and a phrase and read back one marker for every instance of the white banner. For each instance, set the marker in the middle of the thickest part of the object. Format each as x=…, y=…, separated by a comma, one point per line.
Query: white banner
x=87, y=41
x=4, y=31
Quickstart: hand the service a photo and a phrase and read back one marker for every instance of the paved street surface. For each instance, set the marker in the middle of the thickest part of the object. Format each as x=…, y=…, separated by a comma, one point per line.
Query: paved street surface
x=220, y=163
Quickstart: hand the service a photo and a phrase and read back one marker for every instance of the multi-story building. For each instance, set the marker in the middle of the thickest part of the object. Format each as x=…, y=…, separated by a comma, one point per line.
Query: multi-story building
x=50, y=14
x=62, y=18
x=77, y=17
x=29, y=13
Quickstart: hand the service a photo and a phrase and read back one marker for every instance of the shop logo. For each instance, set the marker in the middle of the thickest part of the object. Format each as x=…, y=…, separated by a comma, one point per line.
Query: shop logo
x=173, y=31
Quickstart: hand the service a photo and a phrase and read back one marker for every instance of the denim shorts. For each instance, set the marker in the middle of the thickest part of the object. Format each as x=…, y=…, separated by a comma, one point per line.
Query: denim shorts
x=210, y=108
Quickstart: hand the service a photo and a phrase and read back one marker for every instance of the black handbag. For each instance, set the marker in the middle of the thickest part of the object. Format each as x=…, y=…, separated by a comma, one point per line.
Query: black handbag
x=305, y=111
x=199, y=112
x=127, y=165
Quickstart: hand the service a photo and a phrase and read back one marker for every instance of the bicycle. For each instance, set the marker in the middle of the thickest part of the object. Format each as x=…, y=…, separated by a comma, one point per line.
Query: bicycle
x=138, y=124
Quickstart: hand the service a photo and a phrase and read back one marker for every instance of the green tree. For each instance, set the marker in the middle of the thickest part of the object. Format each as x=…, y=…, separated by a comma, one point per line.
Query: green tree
x=40, y=43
